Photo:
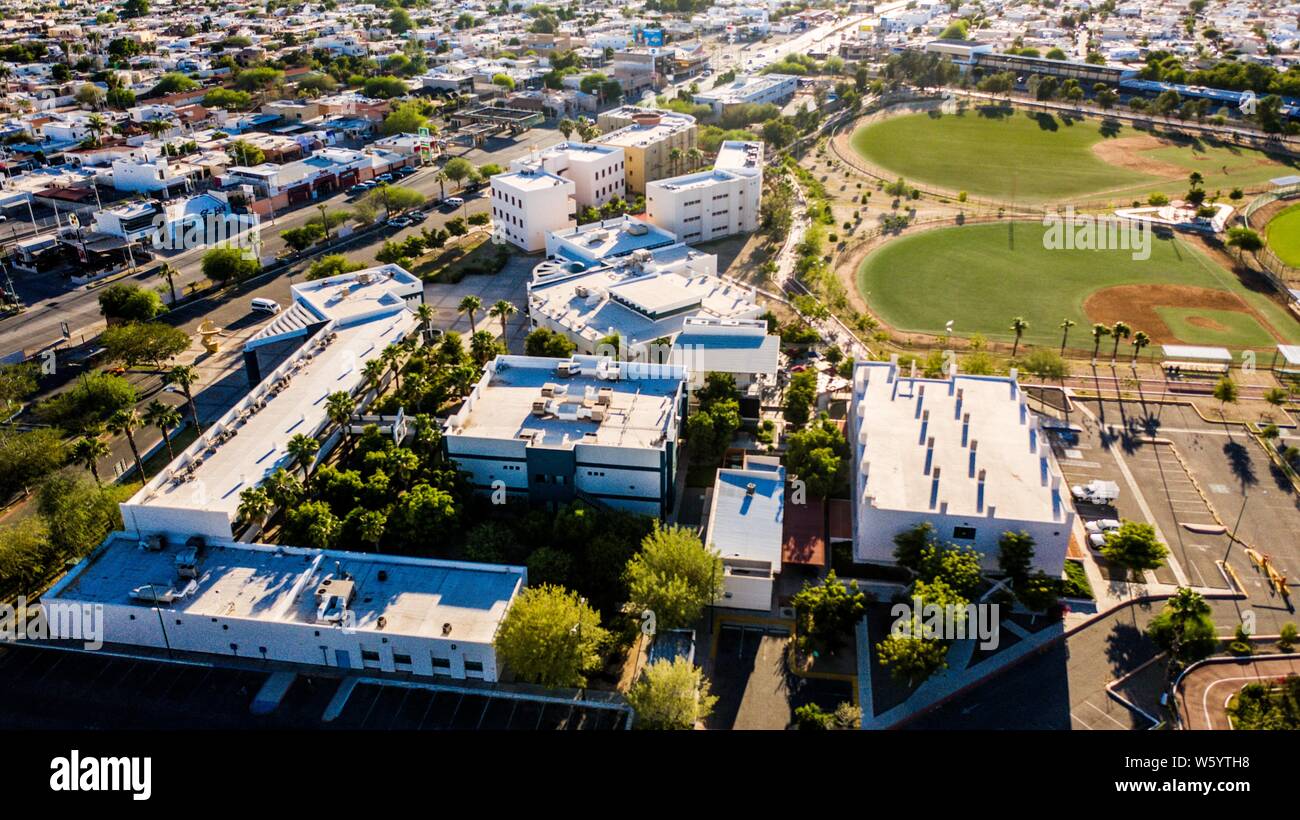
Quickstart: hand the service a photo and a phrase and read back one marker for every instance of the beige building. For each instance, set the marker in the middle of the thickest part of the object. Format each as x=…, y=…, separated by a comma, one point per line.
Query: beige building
x=648, y=137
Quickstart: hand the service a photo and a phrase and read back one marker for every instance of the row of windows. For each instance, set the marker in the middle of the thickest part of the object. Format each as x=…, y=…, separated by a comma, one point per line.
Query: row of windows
x=513, y=200
x=604, y=172
x=369, y=656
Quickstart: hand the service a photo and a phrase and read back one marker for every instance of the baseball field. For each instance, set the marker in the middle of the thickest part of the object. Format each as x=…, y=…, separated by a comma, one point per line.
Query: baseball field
x=1283, y=232
x=1014, y=155
x=982, y=276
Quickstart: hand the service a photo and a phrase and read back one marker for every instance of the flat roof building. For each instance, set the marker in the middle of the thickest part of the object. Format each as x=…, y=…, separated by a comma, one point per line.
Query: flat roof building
x=344, y=321
x=552, y=430
x=709, y=205
x=963, y=453
x=648, y=137
x=756, y=89
x=746, y=526
x=529, y=204
x=344, y=610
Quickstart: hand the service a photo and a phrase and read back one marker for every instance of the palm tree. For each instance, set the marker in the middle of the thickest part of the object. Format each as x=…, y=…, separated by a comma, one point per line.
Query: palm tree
x=370, y=527
x=97, y=125
x=441, y=178
x=1019, y=326
x=340, y=406
x=470, y=304
x=1066, y=324
x=303, y=447
x=566, y=127
x=374, y=372
x=167, y=273
x=283, y=488
x=696, y=158
x=185, y=376
x=482, y=346
x=503, y=309
x=164, y=417
x=1140, y=340
x=424, y=312
x=88, y=451
x=126, y=422
x=675, y=158
x=254, y=505
x=1099, y=331
x=1119, y=331
x=391, y=357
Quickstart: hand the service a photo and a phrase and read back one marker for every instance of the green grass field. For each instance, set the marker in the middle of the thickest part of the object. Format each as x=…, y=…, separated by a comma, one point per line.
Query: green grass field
x=1034, y=157
x=982, y=276
x=1283, y=232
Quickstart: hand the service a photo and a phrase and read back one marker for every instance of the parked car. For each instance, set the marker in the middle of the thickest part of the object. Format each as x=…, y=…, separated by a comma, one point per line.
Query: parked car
x=384, y=178
x=1097, y=540
x=1096, y=492
x=405, y=171
x=417, y=216
x=453, y=202
x=264, y=305
x=400, y=222
x=361, y=187
x=1101, y=525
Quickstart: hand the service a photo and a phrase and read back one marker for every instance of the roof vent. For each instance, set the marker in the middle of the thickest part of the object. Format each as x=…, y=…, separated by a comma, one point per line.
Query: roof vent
x=446, y=628
x=751, y=488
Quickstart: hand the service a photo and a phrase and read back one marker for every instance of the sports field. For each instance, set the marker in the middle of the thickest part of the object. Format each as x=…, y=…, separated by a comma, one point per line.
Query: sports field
x=1283, y=232
x=982, y=276
x=1012, y=155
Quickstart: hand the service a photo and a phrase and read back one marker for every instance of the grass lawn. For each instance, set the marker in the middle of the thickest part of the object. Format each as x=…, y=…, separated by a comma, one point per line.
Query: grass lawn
x=450, y=264
x=1032, y=157
x=982, y=276
x=1283, y=232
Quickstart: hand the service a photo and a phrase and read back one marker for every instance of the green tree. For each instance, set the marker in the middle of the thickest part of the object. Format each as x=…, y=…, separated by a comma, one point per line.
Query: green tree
x=674, y=576
x=1018, y=326
x=185, y=377
x=303, y=448
x=1099, y=331
x=28, y=457
x=1184, y=627
x=670, y=695
x=1244, y=240
x=550, y=637
x=1135, y=546
x=1016, y=555
x=1225, y=390
x=502, y=310
x=1119, y=331
x=470, y=305
x=138, y=342
x=79, y=513
x=229, y=265
x=827, y=613
x=816, y=456
x=124, y=302
x=312, y=524
x=909, y=657
x=405, y=118
x=88, y=452
x=547, y=343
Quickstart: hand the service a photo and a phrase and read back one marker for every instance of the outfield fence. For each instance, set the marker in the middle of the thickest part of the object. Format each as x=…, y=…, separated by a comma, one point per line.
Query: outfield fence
x=1281, y=275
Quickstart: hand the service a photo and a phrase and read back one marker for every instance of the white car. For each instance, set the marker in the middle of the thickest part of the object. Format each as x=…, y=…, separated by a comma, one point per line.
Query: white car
x=1101, y=525
x=1096, y=540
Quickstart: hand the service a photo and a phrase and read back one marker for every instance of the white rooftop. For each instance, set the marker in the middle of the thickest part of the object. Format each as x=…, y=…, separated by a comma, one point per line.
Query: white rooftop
x=641, y=408
x=922, y=443
x=362, y=313
x=748, y=524
x=416, y=596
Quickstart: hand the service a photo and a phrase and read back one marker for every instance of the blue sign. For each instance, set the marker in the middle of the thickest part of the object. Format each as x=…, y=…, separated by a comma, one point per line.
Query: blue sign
x=654, y=37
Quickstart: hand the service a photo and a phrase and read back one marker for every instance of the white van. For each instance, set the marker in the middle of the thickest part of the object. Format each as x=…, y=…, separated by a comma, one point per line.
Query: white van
x=265, y=305
x=453, y=202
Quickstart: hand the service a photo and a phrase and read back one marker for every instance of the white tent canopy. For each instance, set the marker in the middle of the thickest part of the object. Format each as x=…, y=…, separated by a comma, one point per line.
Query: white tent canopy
x=1196, y=353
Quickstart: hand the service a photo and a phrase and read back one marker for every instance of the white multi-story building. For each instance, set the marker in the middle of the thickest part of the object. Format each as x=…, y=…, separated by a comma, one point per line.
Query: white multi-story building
x=963, y=453
x=552, y=430
x=529, y=204
x=711, y=204
x=596, y=171
x=259, y=602
x=757, y=89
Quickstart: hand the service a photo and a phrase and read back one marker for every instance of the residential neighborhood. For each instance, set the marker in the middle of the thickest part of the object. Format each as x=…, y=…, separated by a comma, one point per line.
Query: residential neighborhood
x=704, y=365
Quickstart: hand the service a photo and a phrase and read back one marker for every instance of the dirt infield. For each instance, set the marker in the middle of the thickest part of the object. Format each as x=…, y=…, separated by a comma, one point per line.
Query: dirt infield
x=1136, y=306
x=1128, y=152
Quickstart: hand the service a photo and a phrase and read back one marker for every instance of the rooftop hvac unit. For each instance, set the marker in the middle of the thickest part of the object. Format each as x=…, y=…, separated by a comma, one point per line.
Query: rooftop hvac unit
x=333, y=597
x=567, y=368
x=637, y=228
x=187, y=563
x=363, y=278
x=597, y=237
x=582, y=291
x=153, y=543
x=605, y=397
x=598, y=414
x=539, y=407
x=548, y=389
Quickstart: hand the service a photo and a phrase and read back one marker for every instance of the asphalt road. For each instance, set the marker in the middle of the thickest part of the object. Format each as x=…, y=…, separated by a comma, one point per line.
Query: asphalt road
x=40, y=326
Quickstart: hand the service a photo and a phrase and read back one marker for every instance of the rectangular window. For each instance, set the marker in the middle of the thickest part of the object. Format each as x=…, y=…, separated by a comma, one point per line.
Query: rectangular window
x=963, y=533
x=367, y=655
x=401, y=659
x=473, y=666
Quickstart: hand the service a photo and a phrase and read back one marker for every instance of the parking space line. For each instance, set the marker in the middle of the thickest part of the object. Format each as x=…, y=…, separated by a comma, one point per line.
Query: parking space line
x=1107, y=715
x=1081, y=721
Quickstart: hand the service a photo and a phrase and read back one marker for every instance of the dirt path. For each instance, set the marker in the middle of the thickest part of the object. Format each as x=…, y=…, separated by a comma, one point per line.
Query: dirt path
x=1128, y=153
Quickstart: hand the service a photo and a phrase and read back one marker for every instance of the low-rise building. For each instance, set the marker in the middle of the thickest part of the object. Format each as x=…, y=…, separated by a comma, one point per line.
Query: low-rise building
x=527, y=205
x=755, y=89
x=552, y=430
x=964, y=454
x=597, y=171
x=746, y=527
x=269, y=603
